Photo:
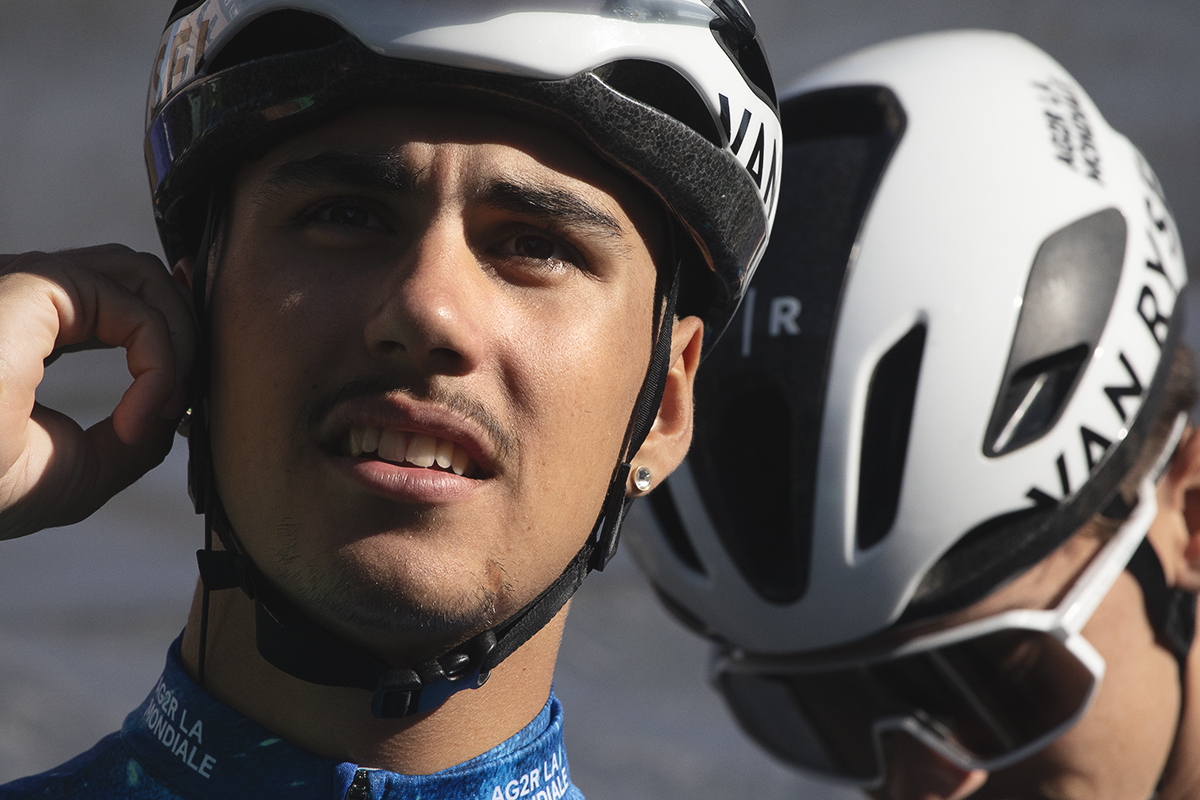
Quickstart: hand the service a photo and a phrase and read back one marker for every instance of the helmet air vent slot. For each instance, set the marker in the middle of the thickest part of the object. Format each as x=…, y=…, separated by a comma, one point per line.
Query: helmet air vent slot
x=1035, y=396
x=747, y=449
x=664, y=89
x=886, y=425
x=735, y=33
x=1068, y=299
x=277, y=33
x=760, y=399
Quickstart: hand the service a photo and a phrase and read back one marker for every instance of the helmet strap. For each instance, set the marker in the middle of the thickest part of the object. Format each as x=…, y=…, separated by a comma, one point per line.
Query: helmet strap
x=200, y=481
x=645, y=412
x=1172, y=611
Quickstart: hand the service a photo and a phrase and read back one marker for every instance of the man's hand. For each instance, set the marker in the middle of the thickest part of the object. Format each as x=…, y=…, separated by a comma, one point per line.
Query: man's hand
x=52, y=472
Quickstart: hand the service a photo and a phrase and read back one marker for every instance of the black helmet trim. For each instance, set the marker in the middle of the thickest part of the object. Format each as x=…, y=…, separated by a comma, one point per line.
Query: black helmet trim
x=735, y=31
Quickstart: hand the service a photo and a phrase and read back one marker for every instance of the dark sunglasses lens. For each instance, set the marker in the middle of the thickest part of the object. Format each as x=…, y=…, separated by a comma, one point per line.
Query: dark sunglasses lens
x=812, y=721
x=990, y=696
x=993, y=694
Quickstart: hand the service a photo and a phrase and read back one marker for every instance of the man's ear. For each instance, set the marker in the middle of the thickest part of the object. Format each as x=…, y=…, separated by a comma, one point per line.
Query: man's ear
x=1175, y=533
x=671, y=434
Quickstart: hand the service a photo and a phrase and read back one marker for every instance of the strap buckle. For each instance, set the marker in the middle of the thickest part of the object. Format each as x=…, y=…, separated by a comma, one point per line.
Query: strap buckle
x=220, y=569
x=404, y=692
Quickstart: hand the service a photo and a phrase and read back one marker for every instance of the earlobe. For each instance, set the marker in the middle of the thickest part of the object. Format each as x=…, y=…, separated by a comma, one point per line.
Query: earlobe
x=671, y=434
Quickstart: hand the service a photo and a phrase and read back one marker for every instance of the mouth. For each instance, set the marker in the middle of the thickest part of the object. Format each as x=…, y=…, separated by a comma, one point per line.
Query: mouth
x=404, y=448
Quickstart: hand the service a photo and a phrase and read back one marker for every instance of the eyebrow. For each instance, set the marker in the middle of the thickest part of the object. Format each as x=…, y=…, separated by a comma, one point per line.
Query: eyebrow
x=549, y=203
x=376, y=171
x=388, y=172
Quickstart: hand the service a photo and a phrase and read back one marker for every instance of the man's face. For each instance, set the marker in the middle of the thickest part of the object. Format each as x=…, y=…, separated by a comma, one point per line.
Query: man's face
x=410, y=284
x=1118, y=748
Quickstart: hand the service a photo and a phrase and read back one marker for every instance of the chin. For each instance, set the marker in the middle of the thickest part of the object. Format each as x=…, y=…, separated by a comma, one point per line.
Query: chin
x=391, y=605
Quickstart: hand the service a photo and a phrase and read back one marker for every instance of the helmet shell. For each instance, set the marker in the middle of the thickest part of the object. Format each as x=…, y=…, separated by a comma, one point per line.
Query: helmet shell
x=698, y=126
x=1008, y=236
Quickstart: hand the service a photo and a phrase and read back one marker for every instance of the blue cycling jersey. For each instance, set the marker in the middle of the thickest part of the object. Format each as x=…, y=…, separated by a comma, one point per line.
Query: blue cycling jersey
x=183, y=743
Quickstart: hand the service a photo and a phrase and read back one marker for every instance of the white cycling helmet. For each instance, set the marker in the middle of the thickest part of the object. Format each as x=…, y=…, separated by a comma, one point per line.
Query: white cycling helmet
x=674, y=93
x=952, y=354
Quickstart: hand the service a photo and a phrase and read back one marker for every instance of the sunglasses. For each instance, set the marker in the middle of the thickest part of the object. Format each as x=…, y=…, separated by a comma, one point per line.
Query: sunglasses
x=984, y=694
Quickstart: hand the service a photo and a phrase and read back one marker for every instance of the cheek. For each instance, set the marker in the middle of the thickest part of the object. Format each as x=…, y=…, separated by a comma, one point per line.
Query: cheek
x=271, y=337
x=1141, y=688
x=585, y=366
x=250, y=364
x=1123, y=741
x=572, y=379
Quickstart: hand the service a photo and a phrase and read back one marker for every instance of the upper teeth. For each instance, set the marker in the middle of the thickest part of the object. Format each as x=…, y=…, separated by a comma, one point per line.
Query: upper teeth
x=418, y=449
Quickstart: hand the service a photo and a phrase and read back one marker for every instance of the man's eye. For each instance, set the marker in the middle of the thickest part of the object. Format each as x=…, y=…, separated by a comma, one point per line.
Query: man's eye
x=349, y=215
x=537, y=247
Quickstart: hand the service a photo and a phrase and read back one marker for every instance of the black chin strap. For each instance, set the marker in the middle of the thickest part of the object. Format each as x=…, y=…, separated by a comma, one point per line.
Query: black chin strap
x=1171, y=611
x=292, y=642
x=200, y=479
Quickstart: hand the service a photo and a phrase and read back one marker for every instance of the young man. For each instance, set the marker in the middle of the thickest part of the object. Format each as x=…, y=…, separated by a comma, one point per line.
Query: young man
x=452, y=269
x=979, y=578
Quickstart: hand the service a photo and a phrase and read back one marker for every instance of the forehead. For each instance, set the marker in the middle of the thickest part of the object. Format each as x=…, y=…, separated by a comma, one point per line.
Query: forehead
x=473, y=149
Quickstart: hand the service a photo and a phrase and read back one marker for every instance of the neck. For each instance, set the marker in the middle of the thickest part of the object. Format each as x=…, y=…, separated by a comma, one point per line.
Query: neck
x=1181, y=778
x=337, y=723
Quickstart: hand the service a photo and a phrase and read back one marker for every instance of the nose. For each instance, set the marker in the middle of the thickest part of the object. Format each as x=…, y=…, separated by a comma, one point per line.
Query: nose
x=433, y=308
x=915, y=772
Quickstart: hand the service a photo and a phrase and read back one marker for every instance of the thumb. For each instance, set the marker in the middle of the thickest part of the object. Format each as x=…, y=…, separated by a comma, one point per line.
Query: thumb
x=77, y=481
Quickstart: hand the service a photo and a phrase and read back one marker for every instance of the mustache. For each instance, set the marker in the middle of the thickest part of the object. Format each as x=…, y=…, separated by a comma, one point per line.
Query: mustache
x=503, y=438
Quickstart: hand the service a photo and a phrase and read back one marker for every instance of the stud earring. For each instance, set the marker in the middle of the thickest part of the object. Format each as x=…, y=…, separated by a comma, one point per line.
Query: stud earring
x=641, y=478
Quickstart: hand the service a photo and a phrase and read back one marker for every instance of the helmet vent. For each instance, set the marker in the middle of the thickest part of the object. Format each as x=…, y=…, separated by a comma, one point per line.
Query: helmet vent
x=182, y=8
x=886, y=425
x=760, y=399
x=275, y=34
x=662, y=503
x=734, y=31
x=662, y=88
x=746, y=450
x=1067, y=301
x=1035, y=396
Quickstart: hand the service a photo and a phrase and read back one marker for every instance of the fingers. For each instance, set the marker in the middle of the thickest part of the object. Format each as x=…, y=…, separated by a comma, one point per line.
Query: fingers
x=122, y=299
x=146, y=276
x=76, y=481
x=50, y=469
x=28, y=329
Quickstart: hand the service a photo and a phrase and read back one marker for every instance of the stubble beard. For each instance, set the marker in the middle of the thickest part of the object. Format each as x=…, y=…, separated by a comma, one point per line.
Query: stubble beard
x=387, y=614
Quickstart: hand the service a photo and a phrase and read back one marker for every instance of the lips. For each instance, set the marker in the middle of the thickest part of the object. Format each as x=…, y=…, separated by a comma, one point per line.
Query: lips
x=405, y=448
x=394, y=441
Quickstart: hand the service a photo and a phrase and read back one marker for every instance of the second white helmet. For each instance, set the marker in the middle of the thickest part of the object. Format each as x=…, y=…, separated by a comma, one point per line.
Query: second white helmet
x=952, y=353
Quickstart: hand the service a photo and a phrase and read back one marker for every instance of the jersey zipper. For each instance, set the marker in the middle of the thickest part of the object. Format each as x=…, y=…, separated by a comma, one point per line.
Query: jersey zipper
x=360, y=787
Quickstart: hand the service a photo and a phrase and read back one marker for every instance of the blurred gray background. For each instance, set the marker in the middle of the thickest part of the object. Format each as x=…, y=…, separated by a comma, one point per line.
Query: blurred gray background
x=86, y=612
